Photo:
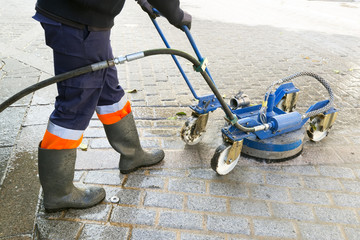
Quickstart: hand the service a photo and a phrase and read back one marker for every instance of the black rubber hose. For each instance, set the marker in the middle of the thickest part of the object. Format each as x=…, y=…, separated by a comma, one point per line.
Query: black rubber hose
x=87, y=69
x=55, y=79
x=45, y=83
x=203, y=73
x=130, y=57
x=208, y=80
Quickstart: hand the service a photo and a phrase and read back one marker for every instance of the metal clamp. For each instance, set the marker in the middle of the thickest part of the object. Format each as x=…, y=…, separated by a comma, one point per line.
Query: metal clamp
x=232, y=122
x=202, y=66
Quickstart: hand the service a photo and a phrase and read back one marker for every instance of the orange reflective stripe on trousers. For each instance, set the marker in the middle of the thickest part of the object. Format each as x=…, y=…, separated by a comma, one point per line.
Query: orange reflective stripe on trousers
x=111, y=114
x=58, y=138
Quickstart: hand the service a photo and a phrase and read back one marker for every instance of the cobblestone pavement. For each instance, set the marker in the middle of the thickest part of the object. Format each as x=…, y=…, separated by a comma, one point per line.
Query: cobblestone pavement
x=314, y=196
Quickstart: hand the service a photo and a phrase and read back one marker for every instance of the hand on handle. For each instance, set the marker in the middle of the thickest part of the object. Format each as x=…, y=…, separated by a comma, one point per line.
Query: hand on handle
x=186, y=21
x=146, y=6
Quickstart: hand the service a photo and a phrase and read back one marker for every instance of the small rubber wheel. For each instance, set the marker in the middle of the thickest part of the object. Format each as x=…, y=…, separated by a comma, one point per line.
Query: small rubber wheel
x=219, y=160
x=189, y=132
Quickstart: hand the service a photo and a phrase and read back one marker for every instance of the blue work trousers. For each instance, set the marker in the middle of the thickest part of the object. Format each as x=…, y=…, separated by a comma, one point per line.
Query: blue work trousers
x=78, y=97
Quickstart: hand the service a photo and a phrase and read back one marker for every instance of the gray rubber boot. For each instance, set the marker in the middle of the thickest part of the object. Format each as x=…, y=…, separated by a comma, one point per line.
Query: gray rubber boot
x=124, y=138
x=56, y=173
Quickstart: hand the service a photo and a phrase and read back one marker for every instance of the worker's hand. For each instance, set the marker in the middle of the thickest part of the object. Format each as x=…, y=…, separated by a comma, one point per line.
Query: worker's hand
x=186, y=20
x=147, y=8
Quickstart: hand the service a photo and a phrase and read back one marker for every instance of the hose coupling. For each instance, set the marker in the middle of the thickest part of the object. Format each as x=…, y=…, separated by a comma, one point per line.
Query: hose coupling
x=120, y=60
x=240, y=100
x=262, y=127
x=100, y=65
x=134, y=56
x=128, y=58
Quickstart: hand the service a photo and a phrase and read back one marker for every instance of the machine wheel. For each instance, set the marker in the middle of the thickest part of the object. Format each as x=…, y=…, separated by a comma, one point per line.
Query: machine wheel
x=315, y=131
x=194, y=129
x=221, y=163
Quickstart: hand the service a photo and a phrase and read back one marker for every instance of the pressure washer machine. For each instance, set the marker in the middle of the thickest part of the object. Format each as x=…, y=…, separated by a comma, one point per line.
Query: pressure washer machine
x=272, y=131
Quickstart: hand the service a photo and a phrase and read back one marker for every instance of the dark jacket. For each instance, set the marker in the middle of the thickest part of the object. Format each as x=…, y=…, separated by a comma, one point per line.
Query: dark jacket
x=99, y=14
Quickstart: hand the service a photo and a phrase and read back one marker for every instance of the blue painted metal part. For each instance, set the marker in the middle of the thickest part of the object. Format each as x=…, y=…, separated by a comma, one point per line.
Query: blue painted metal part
x=283, y=89
x=192, y=42
x=282, y=122
x=262, y=140
x=319, y=105
x=275, y=149
x=175, y=59
x=206, y=104
x=270, y=105
x=279, y=122
x=196, y=50
x=272, y=147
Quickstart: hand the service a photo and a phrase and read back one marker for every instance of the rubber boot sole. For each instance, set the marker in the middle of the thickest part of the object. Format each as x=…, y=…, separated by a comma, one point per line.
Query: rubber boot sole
x=136, y=168
x=54, y=210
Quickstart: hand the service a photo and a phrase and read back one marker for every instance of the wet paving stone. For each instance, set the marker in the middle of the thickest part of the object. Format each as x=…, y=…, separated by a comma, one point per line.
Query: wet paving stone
x=10, y=123
x=139, y=181
x=139, y=234
x=132, y=215
x=126, y=196
x=93, y=231
x=164, y=200
x=104, y=177
x=56, y=229
x=181, y=220
x=97, y=213
x=313, y=196
x=5, y=153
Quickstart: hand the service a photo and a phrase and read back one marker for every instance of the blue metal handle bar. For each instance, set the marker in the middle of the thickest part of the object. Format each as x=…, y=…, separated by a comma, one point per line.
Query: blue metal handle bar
x=192, y=42
x=196, y=50
x=175, y=59
x=156, y=12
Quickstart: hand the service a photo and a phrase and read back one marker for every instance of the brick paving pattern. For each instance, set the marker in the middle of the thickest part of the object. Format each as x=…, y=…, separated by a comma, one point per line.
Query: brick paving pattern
x=314, y=196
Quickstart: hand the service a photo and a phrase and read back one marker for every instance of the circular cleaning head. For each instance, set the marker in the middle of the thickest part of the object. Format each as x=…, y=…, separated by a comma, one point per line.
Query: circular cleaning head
x=276, y=149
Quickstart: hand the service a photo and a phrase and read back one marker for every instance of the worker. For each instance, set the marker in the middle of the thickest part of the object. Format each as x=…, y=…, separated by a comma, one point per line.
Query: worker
x=79, y=34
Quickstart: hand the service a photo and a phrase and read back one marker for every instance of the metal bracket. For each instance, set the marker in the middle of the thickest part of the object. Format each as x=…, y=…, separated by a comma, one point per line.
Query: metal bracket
x=326, y=121
x=202, y=66
x=234, y=151
x=206, y=104
x=200, y=123
x=289, y=102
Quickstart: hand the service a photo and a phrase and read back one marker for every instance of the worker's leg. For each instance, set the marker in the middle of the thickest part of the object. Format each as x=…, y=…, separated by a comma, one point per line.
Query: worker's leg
x=114, y=111
x=74, y=107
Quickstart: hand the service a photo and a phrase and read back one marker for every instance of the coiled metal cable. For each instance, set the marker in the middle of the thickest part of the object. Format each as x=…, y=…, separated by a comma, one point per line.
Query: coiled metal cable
x=299, y=74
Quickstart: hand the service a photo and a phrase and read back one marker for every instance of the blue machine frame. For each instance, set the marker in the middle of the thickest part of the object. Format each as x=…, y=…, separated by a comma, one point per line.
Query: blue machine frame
x=206, y=103
x=279, y=122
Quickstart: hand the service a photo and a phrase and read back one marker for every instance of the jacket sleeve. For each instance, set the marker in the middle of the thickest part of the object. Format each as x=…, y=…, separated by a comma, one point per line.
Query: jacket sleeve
x=170, y=9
